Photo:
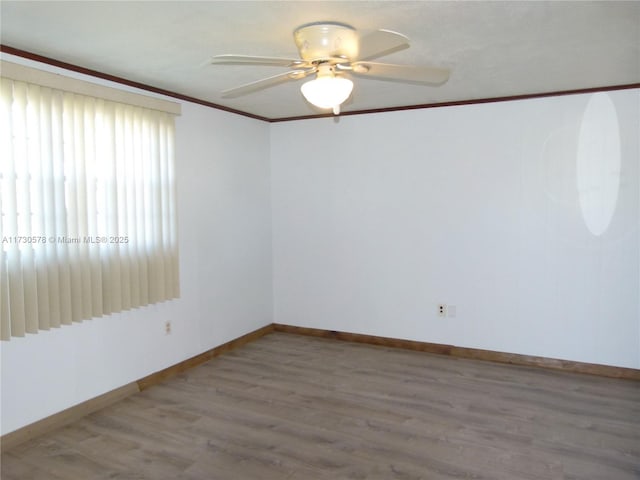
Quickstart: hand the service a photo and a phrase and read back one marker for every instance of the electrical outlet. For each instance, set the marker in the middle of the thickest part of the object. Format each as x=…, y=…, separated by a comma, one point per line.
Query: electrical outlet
x=167, y=327
x=442, y=310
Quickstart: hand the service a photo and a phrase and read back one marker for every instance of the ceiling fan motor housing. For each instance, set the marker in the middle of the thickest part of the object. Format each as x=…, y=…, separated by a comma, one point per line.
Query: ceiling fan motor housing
x=326, y=40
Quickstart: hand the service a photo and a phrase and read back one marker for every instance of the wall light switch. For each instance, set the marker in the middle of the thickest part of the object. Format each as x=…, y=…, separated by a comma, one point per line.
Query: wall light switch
x=451, y=310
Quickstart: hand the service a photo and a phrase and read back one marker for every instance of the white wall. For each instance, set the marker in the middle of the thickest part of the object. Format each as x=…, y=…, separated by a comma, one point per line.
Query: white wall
x=225, y=270
x=378, y=218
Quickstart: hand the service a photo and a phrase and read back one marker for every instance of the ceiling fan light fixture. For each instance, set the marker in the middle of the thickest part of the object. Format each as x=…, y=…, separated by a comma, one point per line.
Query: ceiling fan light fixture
x=327, y=91
x=332, y=50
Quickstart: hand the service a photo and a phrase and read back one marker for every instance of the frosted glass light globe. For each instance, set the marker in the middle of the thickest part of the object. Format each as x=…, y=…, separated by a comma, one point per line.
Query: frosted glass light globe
x=327, y=91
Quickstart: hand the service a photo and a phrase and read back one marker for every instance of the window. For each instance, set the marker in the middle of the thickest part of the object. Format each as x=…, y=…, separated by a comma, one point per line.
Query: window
x=88, y=202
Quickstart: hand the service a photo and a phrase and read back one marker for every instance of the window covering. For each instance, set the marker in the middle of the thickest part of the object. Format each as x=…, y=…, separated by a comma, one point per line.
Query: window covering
x=88, y=202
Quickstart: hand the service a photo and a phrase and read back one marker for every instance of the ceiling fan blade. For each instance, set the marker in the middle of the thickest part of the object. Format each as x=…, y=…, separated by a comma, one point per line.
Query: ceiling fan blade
x=265, y=83
x=253, y=60
x=401, y=73
x=380, y=43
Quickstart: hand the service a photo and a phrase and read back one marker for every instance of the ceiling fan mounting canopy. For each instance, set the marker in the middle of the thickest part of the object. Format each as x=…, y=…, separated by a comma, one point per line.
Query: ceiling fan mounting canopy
x=321, y=41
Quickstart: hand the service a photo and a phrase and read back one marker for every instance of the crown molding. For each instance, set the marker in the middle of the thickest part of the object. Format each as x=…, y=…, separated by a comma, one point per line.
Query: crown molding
x=150, y=88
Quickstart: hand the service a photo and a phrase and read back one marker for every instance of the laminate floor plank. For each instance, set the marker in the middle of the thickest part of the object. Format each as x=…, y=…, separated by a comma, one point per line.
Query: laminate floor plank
x=290, y=407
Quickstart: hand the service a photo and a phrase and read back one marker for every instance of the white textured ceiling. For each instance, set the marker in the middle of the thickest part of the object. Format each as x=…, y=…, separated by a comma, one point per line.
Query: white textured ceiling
x=494, y=49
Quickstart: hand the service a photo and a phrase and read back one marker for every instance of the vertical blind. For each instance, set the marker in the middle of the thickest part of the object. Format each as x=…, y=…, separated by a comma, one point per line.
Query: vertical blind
x=88, y=204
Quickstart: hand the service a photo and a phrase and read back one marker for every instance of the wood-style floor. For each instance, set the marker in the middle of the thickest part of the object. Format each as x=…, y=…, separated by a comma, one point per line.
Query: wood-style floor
x=294, y=407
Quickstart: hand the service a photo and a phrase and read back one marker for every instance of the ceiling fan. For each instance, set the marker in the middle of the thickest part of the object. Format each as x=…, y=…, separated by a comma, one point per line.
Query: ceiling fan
x=334, y=51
